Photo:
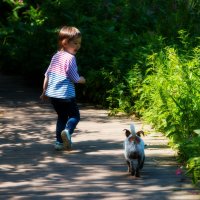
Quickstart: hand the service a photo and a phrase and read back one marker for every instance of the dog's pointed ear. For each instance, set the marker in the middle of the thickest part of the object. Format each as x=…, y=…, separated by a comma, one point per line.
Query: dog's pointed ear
x=139, y=133
x=127, y=132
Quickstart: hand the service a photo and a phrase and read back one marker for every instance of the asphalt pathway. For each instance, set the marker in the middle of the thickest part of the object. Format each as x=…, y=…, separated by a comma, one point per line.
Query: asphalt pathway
x=31, y=169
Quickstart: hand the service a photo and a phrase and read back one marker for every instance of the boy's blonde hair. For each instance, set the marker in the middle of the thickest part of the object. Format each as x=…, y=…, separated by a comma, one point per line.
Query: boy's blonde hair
x=68, y=33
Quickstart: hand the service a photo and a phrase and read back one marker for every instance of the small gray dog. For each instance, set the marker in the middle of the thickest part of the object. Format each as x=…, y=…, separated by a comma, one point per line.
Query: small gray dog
x=134, y=150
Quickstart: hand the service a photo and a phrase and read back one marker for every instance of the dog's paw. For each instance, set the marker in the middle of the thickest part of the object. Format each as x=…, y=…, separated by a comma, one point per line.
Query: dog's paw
x=137, y=174
x=132, y=172
x=132, y=169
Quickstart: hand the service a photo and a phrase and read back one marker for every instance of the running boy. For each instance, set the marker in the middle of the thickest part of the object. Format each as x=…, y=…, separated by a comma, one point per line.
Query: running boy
x=59, y=85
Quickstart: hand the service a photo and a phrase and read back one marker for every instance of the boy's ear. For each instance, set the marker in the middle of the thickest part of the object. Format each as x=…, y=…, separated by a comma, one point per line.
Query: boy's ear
x=64, y=42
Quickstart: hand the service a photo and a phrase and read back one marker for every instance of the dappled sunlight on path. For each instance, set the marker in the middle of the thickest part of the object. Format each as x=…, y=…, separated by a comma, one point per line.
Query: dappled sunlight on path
x=30, y=168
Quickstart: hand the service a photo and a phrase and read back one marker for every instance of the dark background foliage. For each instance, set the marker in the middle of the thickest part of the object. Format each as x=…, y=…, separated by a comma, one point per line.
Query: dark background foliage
x=117, y=36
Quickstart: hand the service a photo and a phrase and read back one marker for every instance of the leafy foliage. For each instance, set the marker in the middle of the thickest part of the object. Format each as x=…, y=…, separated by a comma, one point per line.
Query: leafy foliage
x=193, y=165
x=170, y=96
x=170, y=91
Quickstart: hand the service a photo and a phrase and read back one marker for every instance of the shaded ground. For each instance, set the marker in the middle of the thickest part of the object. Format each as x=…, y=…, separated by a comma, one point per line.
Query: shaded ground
x=30, y=168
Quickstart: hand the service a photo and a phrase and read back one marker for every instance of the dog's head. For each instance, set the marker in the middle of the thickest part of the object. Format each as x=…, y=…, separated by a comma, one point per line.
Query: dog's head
x=131, y=137
x=139, y=133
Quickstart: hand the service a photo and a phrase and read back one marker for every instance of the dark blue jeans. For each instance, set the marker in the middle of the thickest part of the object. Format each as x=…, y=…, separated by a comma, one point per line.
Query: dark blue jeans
x=68, y=115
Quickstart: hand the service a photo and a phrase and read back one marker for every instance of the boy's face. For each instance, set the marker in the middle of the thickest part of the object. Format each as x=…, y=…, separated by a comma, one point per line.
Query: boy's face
x=73, y=46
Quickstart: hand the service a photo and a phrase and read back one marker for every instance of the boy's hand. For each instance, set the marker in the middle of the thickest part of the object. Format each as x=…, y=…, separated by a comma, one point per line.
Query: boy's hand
x=82, y=80
x=43, y=97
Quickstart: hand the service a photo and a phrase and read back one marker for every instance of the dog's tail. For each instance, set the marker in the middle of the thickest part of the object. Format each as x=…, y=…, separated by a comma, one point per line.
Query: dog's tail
x=132, y=127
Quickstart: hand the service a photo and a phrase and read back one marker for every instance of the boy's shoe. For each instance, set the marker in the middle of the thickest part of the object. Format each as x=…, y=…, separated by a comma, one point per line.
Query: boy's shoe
x=58, y=146
x=66, y=138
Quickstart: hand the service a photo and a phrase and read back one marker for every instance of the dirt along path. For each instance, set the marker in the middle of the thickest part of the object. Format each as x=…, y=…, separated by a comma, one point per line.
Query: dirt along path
x=30, y=168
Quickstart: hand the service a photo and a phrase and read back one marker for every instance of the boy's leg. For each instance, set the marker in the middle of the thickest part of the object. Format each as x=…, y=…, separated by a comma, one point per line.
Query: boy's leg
x=74, y=117
x=68, y=118
x=60, y=108
x=60, y=126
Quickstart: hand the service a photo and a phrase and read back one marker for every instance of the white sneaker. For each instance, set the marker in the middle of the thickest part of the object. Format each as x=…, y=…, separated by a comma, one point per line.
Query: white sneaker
x=58, y=146
x=66, y=138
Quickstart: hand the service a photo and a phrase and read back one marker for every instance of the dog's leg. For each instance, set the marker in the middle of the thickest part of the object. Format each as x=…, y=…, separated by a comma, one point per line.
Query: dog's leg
x=142, y=162
x=137, y=173
x=129, y=167
x=132, y=168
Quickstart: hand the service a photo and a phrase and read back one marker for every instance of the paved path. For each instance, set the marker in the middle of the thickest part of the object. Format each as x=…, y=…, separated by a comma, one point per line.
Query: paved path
x=30, y=168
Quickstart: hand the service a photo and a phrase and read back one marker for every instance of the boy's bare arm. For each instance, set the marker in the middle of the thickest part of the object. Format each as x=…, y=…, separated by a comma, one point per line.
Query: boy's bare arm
x=45, y=84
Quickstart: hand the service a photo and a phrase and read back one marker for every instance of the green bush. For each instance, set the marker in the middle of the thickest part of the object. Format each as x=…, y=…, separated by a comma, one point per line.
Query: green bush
x=193, y=165
x=170, y=95
x=170, y=91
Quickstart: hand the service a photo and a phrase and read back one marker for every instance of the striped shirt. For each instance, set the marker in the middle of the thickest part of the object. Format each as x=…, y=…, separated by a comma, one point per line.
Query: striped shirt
x=62, y=74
